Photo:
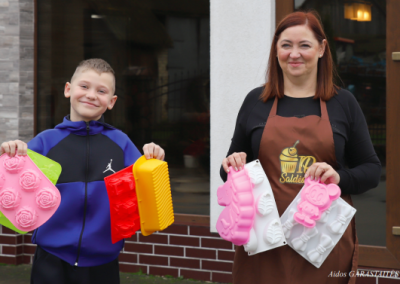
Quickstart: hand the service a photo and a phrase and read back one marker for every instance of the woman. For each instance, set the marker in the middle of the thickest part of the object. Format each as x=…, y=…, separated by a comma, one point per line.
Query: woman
x=301, y=107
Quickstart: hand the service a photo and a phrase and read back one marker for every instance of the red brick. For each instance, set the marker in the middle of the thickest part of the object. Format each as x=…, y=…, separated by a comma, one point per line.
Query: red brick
x=128, y=257
x=27, y=259
x=20, y=239
x=176, y=229
x=133, y=247
x=27, y=239
x=6, y=230
x=184, y=241
x=217, y=265
x=184, y=262
x=20, y=259
x=201, y=253
x=154, y=238
x=132, y=239
x=226, y=255
x=168, y=250
x=132, y=268
x=9, y=250
x=216, y=243
x=13, y=250
x=8, y=240
x=29, y=249
x=8, y=260
x=195, y=274
x=222, y=277
x=202, y=231
x=154, y=260
x=162, y=271
x=387, y=281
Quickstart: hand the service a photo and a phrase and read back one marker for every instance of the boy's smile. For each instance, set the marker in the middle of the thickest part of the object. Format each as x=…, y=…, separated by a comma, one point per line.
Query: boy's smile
x=91, y=94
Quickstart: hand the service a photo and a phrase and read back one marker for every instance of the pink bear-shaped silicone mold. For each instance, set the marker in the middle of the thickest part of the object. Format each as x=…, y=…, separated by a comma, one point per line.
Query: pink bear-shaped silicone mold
x=316, y=197
x=236, y=220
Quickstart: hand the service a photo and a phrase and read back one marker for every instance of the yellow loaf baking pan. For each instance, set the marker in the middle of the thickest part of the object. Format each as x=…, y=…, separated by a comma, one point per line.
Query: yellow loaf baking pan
x=153, y=191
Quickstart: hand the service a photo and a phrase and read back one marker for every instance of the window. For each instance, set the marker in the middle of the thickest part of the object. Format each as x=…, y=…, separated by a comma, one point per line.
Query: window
x=159, y=50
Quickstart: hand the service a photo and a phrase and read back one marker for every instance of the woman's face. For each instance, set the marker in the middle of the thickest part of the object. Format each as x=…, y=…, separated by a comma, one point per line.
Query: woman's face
x=298, y=52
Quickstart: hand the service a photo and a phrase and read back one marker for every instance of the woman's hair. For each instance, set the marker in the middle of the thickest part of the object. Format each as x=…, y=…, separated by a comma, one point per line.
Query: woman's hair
x=326, y=89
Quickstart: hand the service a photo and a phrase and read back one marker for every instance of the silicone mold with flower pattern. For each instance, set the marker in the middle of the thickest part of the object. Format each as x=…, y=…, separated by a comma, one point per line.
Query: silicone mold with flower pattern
x=27, y=197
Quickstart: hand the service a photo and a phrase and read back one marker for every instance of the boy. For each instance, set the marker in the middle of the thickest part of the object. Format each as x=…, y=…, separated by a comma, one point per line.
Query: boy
x=74, y=246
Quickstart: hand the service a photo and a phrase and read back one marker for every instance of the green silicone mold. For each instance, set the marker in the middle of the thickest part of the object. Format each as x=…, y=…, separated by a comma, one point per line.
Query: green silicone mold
x=49, y=168
x=6, y=223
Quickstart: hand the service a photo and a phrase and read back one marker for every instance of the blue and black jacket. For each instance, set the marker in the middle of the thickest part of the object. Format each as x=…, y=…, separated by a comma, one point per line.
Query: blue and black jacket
x=79, y=232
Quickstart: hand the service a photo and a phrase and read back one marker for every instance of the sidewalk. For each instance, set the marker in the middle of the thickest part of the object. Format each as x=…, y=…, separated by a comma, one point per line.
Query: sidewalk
x=20, y=274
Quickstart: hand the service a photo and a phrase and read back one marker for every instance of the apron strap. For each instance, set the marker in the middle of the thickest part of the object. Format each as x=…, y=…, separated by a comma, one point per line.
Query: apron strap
x=324, y=111
x=272, y=112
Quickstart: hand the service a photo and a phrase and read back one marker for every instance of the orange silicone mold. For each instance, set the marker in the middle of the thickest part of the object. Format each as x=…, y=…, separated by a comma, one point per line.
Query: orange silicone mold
x=27, y=197
x=154, y=195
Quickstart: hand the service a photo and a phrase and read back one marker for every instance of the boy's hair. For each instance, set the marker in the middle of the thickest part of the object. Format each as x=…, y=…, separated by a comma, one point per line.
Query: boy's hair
x=97, y=64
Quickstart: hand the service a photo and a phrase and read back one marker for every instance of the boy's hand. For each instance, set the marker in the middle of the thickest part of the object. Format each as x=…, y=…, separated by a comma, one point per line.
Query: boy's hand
x=152, y=150
x=14, y=147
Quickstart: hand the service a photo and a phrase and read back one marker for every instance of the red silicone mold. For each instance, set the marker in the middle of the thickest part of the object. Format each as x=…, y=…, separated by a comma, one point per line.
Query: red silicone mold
x=27, y=197
x=124, y=212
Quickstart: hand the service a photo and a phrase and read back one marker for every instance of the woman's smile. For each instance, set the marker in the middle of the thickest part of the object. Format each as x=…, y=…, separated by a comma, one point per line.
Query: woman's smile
x=295, y=64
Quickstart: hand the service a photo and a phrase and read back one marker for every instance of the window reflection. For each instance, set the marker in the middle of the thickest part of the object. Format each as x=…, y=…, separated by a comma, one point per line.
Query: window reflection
x=159, y=50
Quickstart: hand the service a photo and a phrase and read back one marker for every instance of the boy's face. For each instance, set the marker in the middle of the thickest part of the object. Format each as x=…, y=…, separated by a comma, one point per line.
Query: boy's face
x=91, y=94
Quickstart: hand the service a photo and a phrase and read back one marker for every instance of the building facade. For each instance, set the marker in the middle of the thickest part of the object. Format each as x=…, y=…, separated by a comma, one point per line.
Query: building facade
x=183, y=69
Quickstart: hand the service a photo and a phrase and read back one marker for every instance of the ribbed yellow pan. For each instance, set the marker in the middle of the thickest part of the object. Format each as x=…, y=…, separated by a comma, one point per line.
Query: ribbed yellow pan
x=153, y=191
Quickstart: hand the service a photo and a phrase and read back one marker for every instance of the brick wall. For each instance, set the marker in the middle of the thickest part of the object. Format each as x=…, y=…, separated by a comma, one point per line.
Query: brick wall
x=180, y=250
x=15, y=248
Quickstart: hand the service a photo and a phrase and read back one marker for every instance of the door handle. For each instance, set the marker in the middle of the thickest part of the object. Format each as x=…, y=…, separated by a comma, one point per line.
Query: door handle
x=396, y=56
x=396, y=230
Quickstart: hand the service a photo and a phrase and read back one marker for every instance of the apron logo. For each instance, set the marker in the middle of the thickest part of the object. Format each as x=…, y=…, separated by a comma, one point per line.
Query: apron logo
x=293, y=167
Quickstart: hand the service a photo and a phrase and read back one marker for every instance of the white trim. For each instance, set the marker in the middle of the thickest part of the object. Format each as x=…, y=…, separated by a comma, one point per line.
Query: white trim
x=241, y=33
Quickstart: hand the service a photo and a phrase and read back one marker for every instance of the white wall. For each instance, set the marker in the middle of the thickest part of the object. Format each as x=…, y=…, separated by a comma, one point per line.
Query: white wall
x=241, y=33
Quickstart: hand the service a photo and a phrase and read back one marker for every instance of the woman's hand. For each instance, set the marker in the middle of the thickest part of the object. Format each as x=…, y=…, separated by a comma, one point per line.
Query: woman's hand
x=324, y=171
x=236, y=161
x=14, y=147
x=152, y=150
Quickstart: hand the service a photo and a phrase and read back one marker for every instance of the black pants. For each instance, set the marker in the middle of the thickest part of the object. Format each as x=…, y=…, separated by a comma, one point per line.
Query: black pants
x=49, y=269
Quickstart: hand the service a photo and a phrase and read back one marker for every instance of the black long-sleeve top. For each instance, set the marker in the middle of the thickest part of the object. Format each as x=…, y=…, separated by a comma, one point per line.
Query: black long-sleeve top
x=358, y=165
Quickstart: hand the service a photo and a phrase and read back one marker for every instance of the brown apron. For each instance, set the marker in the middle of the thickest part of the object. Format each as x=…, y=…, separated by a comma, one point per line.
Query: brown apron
x=289, y=145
